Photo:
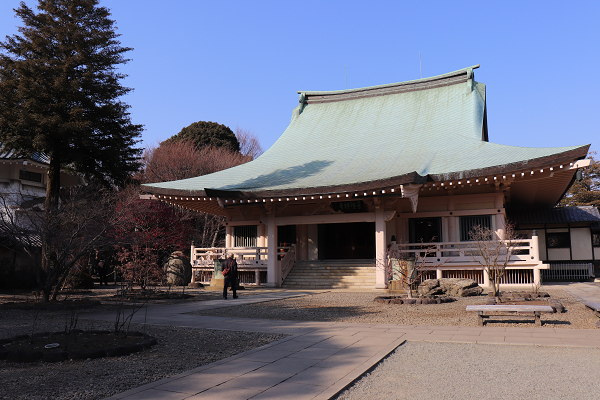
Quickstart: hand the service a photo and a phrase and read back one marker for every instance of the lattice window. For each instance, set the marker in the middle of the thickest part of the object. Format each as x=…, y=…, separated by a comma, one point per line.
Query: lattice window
x=245, y=236
x=469, y=222
x=558, y=240
x=30, y=176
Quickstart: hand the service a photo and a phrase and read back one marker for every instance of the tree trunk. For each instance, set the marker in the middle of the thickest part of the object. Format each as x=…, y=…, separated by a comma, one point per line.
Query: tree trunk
x=50, y=208
x=53, y=184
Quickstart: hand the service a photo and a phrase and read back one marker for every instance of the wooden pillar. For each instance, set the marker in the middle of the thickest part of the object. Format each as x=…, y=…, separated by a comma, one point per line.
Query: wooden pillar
x=192, y=259
x=500, y=227
x=261, y=235
x=273, y=275
x=228, y=236
x=453, y=235
x=380, y=248
x=302, y=239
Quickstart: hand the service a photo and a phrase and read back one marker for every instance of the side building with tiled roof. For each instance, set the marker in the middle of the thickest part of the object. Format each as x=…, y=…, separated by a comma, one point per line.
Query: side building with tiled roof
x=357, y=169
x=23, y=182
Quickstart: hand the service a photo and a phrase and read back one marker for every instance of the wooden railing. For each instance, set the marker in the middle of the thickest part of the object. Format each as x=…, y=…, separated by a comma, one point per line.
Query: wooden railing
x=252, y=262
x=287, y=262
x=445, y=254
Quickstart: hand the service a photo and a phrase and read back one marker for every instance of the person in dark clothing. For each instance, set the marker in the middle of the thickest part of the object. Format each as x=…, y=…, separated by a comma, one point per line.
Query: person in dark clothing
x=229, y=268
x=103, y=272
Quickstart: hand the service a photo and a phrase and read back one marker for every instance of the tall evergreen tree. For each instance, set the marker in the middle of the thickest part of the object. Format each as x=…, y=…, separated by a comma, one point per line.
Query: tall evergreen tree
x=59, y=92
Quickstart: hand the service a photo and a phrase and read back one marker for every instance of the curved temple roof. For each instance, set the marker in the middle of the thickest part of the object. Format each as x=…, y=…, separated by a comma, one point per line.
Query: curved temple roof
x=410, y=132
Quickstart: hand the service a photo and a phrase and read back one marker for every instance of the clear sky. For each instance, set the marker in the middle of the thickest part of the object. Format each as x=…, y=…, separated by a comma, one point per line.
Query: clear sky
x=240, y=63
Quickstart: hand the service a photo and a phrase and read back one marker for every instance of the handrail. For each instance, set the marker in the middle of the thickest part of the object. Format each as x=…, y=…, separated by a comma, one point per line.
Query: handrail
x=522, y=250
x=241, y=253
x=287, y=262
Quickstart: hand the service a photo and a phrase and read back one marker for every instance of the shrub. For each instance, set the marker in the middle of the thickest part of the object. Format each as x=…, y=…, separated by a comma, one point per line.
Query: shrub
x=80, y=280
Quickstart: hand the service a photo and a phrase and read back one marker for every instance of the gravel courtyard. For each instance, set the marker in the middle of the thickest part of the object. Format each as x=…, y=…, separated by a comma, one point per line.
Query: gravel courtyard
x=182, y=349
x=456, y=371
x=359, y=307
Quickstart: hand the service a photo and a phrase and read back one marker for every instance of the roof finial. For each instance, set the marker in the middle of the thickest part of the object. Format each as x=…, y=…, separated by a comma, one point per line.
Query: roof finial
x=302, y=102
x=470, y=79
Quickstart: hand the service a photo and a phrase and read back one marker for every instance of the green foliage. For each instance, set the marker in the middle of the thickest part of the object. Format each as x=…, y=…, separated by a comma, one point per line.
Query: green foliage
x=204, y=133
x=586, y=192
x=59, y=92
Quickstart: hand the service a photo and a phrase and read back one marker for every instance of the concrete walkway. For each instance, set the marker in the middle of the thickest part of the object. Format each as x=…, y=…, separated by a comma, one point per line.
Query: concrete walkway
x=319, y=359
x=583, y=291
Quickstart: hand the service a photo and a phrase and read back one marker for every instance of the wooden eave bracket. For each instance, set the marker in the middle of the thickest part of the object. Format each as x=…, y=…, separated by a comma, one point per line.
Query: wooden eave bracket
x=581, y=164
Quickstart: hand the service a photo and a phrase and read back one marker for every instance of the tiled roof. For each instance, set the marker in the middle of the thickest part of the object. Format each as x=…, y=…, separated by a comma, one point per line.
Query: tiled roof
x=408, y=132
x=560, y=215
x=12, y=155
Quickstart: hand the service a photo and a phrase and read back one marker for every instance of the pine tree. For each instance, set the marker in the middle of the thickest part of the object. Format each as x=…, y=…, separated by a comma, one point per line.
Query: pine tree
x=585, y=192
x=59, y=93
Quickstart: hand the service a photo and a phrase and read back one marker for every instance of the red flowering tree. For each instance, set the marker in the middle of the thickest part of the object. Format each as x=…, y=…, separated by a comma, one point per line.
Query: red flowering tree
x=149, y=233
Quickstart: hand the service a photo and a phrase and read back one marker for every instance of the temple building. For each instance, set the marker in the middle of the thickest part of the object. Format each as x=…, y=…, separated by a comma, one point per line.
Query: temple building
x=358, y=170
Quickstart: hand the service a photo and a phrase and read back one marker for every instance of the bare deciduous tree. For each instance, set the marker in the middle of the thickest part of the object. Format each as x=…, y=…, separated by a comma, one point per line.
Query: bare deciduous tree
x=249, y=144
x=54, y=240
x=494, y=252
x=174, y=160
x=183, y=159
x=410, y=270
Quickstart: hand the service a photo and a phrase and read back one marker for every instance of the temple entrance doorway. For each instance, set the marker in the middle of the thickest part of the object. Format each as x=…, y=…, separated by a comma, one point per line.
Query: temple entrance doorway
x=351, y=241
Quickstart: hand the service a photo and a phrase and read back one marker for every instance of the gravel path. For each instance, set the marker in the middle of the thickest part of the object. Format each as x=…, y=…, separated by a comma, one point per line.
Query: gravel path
x=420, y=370
x=359, y=307
x=178, y=350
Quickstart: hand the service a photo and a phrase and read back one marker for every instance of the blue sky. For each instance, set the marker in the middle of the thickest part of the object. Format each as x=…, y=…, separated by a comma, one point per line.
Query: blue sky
x=240, y=63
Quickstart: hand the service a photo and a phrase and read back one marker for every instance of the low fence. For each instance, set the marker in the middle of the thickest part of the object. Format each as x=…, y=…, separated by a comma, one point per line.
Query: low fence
x=568, y=272
x=474, y=274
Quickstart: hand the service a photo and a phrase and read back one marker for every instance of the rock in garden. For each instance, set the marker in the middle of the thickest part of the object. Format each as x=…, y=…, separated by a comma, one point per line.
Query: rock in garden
x=450, y=286
x=178, y=269
x=557, y=306
x=429, y=287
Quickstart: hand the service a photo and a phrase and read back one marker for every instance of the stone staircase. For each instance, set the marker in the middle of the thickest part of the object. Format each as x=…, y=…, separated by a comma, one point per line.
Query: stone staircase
x=331, y=274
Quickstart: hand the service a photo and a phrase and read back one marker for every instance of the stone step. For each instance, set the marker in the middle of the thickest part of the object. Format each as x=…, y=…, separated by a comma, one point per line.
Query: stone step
x=332, y=274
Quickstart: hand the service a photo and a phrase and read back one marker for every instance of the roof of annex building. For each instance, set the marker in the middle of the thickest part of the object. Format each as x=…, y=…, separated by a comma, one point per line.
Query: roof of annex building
x=558, y=215
x=426, y=130
x=13, y=155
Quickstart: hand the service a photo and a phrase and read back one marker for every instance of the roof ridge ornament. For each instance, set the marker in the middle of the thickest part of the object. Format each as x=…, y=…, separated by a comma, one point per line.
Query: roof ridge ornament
x=302, y=101
x=470, y=77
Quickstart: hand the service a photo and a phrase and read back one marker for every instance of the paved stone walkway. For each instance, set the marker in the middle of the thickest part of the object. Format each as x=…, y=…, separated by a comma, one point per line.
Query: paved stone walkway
x=319, y=359
x=583, y=291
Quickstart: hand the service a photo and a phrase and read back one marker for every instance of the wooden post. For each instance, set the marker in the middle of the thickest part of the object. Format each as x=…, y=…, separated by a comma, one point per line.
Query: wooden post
x=273, y=278
x=192, y=259
x=380, y=248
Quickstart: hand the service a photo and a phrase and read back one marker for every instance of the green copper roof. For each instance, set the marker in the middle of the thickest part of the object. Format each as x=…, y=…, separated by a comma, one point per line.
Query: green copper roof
x=432, y=127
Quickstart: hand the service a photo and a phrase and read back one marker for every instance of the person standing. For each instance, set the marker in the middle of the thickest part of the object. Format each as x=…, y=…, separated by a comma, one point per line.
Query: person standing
x=230, y=274
x=103, y=272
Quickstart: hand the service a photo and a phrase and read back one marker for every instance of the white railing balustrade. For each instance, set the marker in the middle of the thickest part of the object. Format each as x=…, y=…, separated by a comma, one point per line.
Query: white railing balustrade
x=446, y=254
x=252, y=262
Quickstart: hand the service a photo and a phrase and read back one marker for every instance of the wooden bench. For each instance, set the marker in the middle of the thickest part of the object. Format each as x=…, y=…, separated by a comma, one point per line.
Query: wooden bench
x=593, y=306
x=505, y=310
